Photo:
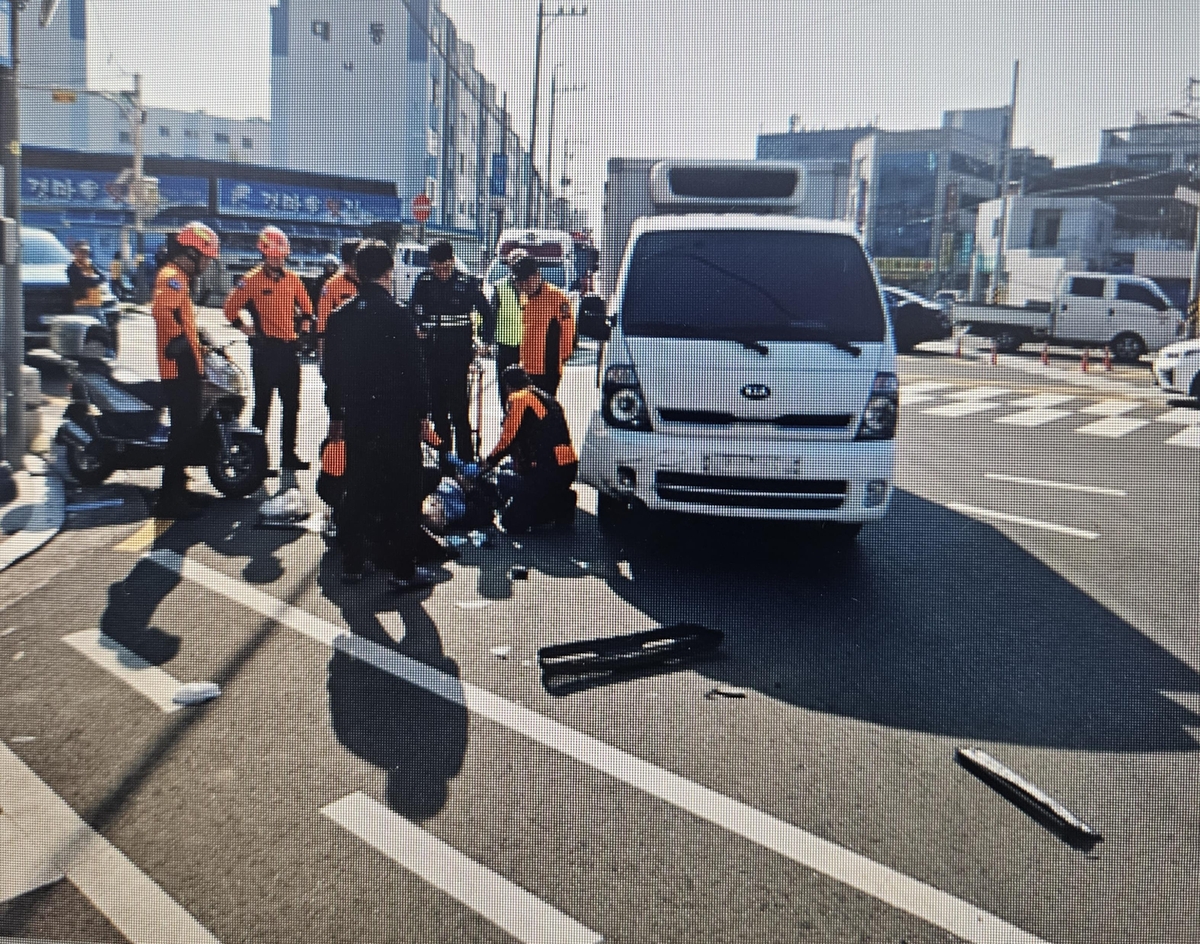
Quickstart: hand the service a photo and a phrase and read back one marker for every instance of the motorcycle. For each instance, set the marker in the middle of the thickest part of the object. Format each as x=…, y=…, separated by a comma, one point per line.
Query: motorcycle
x=114, y=423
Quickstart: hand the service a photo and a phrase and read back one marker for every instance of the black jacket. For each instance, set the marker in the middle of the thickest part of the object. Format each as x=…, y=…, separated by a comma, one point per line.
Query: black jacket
x=443, y=311
x=374, y=371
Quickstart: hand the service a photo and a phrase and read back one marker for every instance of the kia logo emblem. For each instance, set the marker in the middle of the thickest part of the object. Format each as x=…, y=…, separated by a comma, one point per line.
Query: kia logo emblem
x=756, y=391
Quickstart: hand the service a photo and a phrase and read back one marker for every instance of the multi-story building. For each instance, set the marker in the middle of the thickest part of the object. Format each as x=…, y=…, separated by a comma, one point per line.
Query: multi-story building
x=1153, y=146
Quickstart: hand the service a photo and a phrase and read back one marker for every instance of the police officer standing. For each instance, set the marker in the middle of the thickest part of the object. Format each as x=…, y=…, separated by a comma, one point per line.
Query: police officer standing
x=272, y=295
x=375, y=385
x=442, y=301
x=180, y=361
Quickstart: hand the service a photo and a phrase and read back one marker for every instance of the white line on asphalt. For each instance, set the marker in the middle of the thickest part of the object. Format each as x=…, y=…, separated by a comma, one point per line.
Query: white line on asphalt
x=925, y=386
x=972, y=511
x=1189, y=436
x=510, y=907
x=1111, y=408
x=807, y=850
x=147, y=680
x=22, y=868
x=46, y=499
x=962, y=408
x=1112, y=428
x=132, y=902
x=1042, y=401
x=1036, y=417
x=1065, y=486
x=977, y=393
x=1180, y=415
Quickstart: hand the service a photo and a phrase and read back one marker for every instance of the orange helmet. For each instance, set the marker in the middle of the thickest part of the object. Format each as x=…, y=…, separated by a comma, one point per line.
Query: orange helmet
x=201, y=238
x=274, y=245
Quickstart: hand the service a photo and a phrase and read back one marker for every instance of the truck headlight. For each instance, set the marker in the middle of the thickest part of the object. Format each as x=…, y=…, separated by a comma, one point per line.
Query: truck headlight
x=622, y=402
x=882, y=410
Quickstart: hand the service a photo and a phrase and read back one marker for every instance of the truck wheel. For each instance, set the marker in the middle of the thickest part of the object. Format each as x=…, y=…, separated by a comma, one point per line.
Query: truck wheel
x=1007, y=341
x=86, y=469
x=241, y=469
x=1127, y=347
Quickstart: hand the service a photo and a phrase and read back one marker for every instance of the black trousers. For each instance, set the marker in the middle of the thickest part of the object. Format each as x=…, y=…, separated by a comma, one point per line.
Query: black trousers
x=275, y=367
x=506, y=356
x=381, y=504
x=183, y=404
x=451, y=403
x=537, y=498
x=547, y=382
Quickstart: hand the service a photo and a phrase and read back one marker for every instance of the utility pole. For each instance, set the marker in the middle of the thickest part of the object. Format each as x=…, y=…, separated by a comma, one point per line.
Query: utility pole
x=550, y=145
x=13, y=334
x=998, y=273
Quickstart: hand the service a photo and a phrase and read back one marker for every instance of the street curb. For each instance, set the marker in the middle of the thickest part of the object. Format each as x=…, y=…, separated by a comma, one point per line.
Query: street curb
x=45, y=494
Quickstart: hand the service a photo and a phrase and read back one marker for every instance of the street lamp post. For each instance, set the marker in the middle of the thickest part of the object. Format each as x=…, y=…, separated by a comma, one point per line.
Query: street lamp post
x=543, y=23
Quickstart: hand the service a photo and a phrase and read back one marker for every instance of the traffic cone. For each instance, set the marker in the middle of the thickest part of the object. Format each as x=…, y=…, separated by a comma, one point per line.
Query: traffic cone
x=1083, y=361
x=1107, y=358
x=1046, y=354
x=995, y=352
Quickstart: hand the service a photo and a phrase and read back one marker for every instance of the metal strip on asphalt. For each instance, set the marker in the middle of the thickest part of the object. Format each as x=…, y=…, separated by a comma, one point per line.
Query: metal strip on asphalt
x=872, y=878
x=147, y=680
x=972, y=511
x=513, y=909
x=1063, y=486
x=132, y=902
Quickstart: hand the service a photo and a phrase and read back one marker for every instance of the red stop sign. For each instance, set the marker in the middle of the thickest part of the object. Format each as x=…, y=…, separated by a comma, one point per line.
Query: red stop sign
x=421, y=207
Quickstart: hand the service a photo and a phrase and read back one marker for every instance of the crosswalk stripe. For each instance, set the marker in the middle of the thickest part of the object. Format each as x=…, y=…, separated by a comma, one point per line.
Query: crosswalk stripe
x=978, y=393
x=1041, y=401
x=131, y=901
x=963, y=408
x=22, y=867
x=508, y=906
x=147, y=680
x=1189, y=437
x=1113, y=428
x=1180, y=415
x=1033, y=417
x=886, y=884
x=1111, y=408
x=923, y=387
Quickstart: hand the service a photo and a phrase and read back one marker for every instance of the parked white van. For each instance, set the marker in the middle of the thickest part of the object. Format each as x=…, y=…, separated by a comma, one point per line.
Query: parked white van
x=411, y=260
x=749, y=369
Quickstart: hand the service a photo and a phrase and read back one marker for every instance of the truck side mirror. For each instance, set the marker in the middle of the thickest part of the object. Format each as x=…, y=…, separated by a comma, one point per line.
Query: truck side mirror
x=593, y=319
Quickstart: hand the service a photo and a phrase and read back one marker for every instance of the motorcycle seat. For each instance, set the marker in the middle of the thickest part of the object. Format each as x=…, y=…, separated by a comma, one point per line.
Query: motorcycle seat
x=149, y=392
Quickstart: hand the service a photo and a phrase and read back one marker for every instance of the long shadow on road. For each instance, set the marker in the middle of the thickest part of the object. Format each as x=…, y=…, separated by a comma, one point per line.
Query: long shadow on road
x=934, y=623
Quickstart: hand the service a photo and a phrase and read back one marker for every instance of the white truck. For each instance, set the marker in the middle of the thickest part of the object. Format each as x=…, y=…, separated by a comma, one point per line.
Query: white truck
x=749, y=368
x=1127, y=314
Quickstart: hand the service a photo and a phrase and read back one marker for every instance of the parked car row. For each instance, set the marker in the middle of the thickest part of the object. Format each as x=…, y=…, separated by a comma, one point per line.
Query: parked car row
x=47, y=291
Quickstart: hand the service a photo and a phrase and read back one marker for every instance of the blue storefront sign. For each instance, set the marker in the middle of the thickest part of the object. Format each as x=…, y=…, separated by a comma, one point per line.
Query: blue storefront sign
x=303, y=204
x=99, y=190
x=499, y=181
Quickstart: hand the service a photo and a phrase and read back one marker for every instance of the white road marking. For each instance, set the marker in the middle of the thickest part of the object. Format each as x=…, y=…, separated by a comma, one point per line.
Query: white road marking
x=973, y=511
x=978, y=393
x=872, y=878
x=1110, y=408
x=22, y=868
x=926, y=386
x=1189, y=437
x=912, y=399
x=45, y=494
x=1112, y=428
x=1047, y=483
x=1181, y=415
x=147, y=680
x=1041, y=400
x=132, y=902
x=965, y=408
x=510, y=907
x=1033, y=417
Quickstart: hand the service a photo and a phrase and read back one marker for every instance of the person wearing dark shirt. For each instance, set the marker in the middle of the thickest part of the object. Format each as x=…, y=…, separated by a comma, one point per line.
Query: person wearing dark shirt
x=375, y=385
x=442, y=301
x=85, y=279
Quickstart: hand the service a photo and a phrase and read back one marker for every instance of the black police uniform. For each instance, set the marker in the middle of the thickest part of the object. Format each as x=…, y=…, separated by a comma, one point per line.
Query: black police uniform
x=443, y=311
x=375, y=383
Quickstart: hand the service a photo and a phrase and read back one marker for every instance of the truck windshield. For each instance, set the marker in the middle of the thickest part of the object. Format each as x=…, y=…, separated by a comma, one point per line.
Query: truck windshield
x=764, y=285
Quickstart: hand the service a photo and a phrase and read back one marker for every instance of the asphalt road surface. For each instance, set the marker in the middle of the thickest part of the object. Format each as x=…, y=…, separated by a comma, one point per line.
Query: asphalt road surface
x=392, y=768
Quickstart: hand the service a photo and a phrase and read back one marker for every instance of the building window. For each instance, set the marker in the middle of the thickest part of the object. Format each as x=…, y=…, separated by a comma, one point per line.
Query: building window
x=376, y=31
x=248, y=143
x=164, y=131
x=1046, y=224
x=220, y=137
x=1150, y=161
x=191, y=133
x=124, y=137
x=320, y=29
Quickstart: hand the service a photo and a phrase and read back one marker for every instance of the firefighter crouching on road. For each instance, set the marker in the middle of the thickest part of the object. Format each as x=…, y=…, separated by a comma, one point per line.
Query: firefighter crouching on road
x=180, y=361
x=375, y=386
x=442, y=301
x=535, y=434
x=342, y=287
x=549, y=326
x=272, y=294
x=506, y=326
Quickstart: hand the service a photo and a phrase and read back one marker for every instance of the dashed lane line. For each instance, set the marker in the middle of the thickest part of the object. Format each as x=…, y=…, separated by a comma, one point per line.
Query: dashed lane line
x=61, y=841
x=147, y=680
x=973, y=511
x=1063, y=486
x=521, y=914
x=856, y=871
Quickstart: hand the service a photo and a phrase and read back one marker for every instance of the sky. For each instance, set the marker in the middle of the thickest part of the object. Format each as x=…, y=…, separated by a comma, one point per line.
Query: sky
x=700, y=78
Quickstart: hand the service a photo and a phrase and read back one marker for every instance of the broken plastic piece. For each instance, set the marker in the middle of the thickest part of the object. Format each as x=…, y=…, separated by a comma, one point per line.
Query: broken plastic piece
x=726, y=691
x=96, y=505
x=1025, y=794
x=478, y=538
x=501, y=652
x=582, y=565
x=625, y=570
x=519, y=573
x=22, y=739
x=195, y=693
x=286, y=509
x=667, y=644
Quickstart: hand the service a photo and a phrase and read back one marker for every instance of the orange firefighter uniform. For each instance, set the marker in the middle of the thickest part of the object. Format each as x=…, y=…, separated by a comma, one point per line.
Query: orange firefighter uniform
x=549, y=336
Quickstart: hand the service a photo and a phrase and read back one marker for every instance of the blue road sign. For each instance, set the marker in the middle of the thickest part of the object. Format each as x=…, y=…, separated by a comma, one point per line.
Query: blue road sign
x=499, y=183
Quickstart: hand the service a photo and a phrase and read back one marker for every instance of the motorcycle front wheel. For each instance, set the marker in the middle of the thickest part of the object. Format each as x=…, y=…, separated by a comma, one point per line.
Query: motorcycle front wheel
x=240, y=469
x=86, y=469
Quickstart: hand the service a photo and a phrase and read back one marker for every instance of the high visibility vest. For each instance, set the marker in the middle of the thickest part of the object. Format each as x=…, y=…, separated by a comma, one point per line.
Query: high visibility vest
x=509, y=321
